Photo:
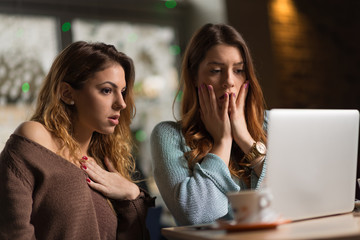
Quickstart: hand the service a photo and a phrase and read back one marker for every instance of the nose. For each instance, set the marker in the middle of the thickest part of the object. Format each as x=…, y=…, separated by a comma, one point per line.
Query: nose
x=228, y=80
x=119, y=103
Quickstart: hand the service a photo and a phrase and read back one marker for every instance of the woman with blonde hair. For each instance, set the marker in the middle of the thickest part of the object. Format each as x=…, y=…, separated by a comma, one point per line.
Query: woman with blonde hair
x=218, y=145
x=67, y=173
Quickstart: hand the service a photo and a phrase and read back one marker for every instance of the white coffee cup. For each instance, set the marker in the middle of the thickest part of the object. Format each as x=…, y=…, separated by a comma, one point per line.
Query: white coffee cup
x=250, y=206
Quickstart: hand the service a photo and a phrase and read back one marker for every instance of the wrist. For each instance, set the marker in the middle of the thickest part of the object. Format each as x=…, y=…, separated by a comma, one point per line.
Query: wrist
x=245, y=144
x=256, y=154
x=223, y=142
x=134, y=192
x=223, y=149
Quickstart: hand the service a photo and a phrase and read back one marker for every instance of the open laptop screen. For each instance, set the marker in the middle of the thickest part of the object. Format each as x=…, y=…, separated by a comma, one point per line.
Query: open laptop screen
x=312, y=161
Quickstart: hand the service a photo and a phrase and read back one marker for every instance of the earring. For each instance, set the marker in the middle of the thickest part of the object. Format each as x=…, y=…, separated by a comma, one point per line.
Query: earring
x=72, y=102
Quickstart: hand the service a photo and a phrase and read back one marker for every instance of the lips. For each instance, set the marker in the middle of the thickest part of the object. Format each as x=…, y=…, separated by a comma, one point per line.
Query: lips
x=114, y=119
x=221, y=98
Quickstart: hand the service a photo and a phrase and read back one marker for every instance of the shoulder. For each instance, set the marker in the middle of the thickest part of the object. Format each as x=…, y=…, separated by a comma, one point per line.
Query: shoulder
x=167, y=133
x=166, y=128
x=36, y=132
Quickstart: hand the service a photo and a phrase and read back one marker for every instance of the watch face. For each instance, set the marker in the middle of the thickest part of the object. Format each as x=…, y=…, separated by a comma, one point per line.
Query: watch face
x=261, y=147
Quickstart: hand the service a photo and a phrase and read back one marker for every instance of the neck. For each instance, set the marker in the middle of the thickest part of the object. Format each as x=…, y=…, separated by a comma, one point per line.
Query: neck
x=83, y=141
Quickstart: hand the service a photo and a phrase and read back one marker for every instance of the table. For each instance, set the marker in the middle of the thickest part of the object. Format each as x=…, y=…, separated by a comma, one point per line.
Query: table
x=343, y=226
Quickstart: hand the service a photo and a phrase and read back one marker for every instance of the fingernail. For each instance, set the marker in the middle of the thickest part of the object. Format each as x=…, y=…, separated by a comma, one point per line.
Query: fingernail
x=88, y=180
x=84, y=158
x=209, y=87
x=246, y=85
x=83, y=167
x=233, y=95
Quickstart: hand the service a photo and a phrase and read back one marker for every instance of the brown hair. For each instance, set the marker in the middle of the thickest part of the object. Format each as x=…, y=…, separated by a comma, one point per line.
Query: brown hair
x=75, y=65
x=196, y=136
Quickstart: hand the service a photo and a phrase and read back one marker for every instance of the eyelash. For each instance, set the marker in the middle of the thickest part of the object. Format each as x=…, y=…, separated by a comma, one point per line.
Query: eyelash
x=106, y=91
x=238, y=71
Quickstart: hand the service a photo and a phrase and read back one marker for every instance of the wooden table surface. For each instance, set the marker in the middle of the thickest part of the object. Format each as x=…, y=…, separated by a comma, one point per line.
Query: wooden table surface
x=344, y=226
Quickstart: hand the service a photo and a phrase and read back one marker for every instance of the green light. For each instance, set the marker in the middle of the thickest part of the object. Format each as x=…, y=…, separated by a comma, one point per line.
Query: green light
x=140, y=135
x=179, y=96
x=66, y=27
x=175, y=50
x=138, y=87
x=20, y=32
x=133, y=37
x=25, y=87
x=170, y=3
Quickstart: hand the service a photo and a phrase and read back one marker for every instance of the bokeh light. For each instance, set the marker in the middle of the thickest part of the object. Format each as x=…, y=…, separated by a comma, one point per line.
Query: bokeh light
x=133, y=37
x=66, y=27
x=25, y=87
x=179, y=96
x=175, y=50
x=170, y=3
x=140, y=135
x=20, y=32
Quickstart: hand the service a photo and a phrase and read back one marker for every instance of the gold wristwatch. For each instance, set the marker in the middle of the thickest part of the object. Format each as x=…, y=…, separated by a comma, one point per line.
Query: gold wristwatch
x=257, y=149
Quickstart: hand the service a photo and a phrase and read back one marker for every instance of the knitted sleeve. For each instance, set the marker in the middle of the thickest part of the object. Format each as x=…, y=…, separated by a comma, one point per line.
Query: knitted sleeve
x=258, y=182
x=193, y=197
x=131, y=216
x=15, y=200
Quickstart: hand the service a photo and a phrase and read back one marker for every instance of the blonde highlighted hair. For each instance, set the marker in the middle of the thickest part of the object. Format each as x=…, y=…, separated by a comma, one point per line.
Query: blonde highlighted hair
x=194, y=132
x=75, y=65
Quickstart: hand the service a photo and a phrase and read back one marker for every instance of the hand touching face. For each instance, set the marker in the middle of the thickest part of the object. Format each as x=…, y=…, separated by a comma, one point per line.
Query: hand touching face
x=223, y=88
x=223, y=68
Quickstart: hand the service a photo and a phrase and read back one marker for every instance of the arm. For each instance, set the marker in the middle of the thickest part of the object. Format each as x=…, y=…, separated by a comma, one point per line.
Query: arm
x=15, y=199
x=192, y=197
x=257, y=177
x=239, y=128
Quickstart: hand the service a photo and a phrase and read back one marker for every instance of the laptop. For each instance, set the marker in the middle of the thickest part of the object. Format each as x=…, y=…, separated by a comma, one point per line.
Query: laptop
x=312, y=161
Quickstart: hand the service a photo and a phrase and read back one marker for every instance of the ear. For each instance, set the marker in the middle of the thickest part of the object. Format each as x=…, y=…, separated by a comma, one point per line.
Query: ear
x=66, y=93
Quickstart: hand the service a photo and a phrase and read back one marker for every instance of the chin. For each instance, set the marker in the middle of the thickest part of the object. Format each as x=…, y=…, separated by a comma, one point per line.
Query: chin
x=106, y=131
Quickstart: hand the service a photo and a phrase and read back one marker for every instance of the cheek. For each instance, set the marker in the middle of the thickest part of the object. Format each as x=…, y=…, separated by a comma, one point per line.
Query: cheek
x=215, y=82
x=240, y=84
x=89, y=106
x=203, y=78
x=199, y=81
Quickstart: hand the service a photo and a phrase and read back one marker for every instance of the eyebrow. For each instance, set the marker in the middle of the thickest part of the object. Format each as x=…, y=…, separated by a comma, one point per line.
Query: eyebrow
x=108, y=82
x=219, y=63
x=112, y=84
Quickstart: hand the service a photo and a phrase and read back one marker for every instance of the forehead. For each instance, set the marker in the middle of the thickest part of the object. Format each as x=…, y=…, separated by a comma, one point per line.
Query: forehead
x=113, y=73
x=223, y=53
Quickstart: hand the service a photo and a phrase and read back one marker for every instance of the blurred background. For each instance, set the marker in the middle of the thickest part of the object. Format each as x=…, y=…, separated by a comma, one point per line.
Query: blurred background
x=306, y=53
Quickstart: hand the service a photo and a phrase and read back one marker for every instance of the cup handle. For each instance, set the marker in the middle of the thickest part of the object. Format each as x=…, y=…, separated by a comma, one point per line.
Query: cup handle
x=264, y=200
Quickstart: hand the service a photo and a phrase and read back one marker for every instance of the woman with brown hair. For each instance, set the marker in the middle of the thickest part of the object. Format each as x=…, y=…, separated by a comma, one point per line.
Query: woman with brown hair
x=66, y=174
x=218, y=146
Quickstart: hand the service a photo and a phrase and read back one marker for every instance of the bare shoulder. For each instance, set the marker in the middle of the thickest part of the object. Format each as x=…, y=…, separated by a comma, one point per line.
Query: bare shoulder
x=36, y=132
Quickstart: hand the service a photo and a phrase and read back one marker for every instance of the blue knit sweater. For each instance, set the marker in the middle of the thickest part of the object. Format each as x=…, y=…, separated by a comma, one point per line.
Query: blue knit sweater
x=197, y=196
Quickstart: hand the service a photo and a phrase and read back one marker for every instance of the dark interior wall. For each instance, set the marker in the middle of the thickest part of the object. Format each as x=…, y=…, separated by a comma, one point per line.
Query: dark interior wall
x=334, y=29
x=310, y=60
x=250, y=18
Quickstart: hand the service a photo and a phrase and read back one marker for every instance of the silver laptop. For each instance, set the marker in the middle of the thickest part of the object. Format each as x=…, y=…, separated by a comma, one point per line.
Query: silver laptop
x=311, y=161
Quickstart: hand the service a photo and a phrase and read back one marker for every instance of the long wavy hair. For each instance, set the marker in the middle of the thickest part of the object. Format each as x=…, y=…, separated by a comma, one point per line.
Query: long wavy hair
x=193, y=129
x=75, y=65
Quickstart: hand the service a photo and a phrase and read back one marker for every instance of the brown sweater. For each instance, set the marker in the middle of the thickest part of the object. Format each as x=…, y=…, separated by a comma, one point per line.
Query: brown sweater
x=43, y=196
